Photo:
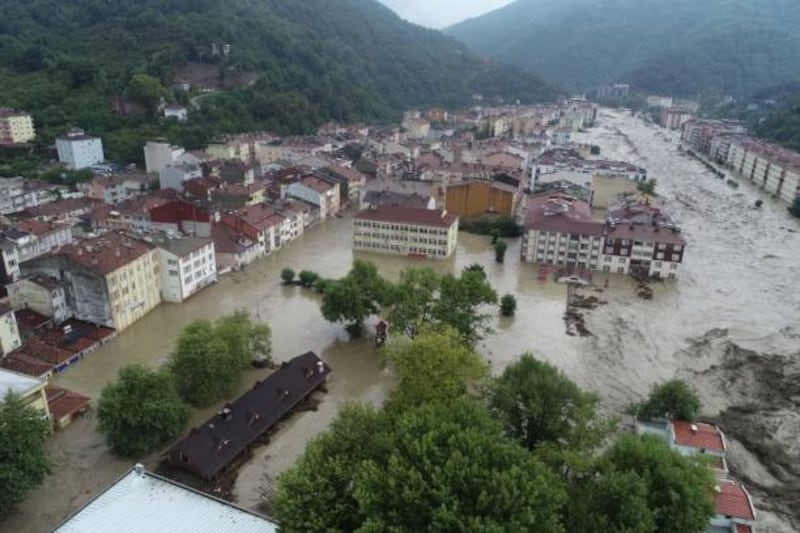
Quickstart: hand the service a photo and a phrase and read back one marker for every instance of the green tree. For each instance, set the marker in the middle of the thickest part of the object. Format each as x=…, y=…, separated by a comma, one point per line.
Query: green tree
x=140, y=411
x=317, y=493
x=648, y=187
x=287, y=276
x=23, y=460
x=795, y=207
x=495, y=236
x=448, y=467
x=414, y=300
x=671, y=399
x=146, y=91
x=609, y=501
x=203, y=366
x=355, y=297
x=246, y=340
x=436, y=365
x=308, y=278
x=508, y=305
x=537, y=404
x=595, y=150
x=500, y=248
x=679, y=488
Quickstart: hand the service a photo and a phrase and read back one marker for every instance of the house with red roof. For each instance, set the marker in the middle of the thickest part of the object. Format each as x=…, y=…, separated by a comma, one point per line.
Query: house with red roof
x=689, y=439
x=733, y=507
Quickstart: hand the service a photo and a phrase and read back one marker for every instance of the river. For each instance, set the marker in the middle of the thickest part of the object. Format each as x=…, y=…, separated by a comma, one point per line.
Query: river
x=732, y=315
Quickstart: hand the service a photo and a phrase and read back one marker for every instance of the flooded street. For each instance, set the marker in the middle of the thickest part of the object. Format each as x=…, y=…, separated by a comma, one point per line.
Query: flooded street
x=730, y=325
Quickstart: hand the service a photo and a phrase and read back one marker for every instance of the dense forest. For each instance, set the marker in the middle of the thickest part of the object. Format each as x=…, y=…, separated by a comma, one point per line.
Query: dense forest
x=782, y=126
x=311, y=61
x=680, y=47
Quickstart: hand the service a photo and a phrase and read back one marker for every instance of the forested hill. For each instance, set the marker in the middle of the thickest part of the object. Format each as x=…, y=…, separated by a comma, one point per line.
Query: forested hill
x=683, y=47
x=316, y=60
x=782, y=126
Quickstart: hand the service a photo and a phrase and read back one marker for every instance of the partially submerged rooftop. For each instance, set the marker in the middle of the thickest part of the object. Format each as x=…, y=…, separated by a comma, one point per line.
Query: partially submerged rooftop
x=143, y=502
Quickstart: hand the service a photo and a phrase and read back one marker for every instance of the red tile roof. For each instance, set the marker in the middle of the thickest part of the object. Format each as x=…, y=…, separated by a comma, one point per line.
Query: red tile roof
x=732, y=500
x=63, y=403
x=742, y=528
x=409, y=215
x=705, y=436
x=106, y=253
x=563, y=213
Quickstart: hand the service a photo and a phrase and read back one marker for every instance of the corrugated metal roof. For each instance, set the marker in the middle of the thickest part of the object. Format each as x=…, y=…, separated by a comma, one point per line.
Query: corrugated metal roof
x=141, y=502
x=16, y=383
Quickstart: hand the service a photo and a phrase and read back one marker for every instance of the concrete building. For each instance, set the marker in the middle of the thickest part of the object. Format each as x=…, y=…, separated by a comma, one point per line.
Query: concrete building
x=775, y=169
x=659, y=101
x=674, y=118
x=159, y=155
x=112, y=280
x=318, y=192
x=9, y=333
x=479, y=198
x=689, y=439
x=27, y=240
x=635, y=239
x=407, y=231
x=733, y=509
x=140, y=501
x=606, y=188
x=187, y=266
x=42, y=294
x=16, y=127
x=178, y=112
x=174, y=176
x=30, y=390
x=76, y=150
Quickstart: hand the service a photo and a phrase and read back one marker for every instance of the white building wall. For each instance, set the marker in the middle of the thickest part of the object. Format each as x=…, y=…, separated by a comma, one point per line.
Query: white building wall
x=80, y=153
x=405, y=239
x=9, y=334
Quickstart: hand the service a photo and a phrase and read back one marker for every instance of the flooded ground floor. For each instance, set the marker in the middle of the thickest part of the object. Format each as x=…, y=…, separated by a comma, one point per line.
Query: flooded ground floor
x=729, y=325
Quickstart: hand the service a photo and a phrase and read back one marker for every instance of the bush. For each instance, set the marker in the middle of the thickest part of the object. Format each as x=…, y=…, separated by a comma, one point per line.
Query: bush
x=500, y=251
x=672, y=399
x=508, y=305
x=287, y=275
x=308, y=278
x=507, y=226
x=595, y=150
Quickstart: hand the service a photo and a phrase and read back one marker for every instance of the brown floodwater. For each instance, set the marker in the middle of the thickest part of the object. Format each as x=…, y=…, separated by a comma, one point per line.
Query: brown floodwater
x=739, y=283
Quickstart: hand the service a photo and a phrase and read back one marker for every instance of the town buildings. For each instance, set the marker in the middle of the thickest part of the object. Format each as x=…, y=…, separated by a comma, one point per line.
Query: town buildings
x=29, y=389
x=77, y=151
x=159, y=155
x=42, y=294
x=112, y=280
x=16, y=127
x=187, y=265
x=26, y=240
x=9, y=333
x=407, y=231
x=143, y=501
x=178, y=112
x=774, y=169
x=614, y=91
x=319, y=192
x=635, y=239
x=673, y=118
x=477, y=198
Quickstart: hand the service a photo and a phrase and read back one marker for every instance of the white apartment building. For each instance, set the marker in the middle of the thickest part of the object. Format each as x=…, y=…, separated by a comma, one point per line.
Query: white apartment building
x=775, y=169
x=409, y=231
x=9, y=332
x=187, y=265
x=318, y=192
x=77, y=150
x=27, y=240
x=159, y=155
x=16, y=127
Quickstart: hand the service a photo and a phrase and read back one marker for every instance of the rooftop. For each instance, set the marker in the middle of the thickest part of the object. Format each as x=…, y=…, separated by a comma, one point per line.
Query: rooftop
x=181, y=246
x=733, y=500
x=106, y=253
x=408, y=215
x=17, y=383
x=210, y=448
x=696, y=435
x=142, y=502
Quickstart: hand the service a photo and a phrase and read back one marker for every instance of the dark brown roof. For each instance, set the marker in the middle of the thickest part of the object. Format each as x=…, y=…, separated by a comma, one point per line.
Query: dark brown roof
x=107, y=253
x=409, y=215
x=210, y=448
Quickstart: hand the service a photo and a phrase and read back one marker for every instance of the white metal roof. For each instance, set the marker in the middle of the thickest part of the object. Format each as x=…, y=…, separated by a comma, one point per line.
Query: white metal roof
x=17, y=383
x=141, y=502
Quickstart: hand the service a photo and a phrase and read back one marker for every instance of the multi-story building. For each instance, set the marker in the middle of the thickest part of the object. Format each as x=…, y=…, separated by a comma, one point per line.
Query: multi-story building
x=27, y=240
x=635, y=239
x=76, y=150
x=174, y=176
x=29, y=389
x=407, y=231
x=775, y=169
x=112, y=280
x=42, y=294
x=16, y=127
x=319, y=192
x=674, y=118
x=351, y=181
x=159, y=155
x=9, y=333
x=187, y=266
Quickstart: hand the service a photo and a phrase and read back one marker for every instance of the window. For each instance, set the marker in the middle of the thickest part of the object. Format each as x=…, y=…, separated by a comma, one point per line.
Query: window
x=621, y=270
x=658, y=264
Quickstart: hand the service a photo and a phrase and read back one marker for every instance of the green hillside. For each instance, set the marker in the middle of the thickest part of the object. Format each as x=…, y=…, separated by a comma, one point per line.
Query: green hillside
x=314, y=60
x=685, y=47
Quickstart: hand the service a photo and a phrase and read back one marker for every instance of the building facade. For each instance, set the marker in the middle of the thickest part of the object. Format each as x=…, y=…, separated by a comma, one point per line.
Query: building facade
x=9, y=333
x=76, y=150
x=187, y=266
x=42, y=294
x=16, y=127
x=406, y=231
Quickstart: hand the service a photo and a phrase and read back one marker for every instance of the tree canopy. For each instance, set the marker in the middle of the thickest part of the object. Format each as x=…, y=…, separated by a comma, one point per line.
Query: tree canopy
x=23, y=459
x=671, y=399
x=436, y=365
x=140, y=411
x=355, y=297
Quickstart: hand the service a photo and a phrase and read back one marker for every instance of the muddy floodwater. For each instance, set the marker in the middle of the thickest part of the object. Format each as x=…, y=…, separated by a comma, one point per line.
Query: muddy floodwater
x=730, y=325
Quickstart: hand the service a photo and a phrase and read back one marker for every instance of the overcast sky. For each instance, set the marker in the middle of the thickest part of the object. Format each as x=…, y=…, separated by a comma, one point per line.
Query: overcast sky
x=441, y=13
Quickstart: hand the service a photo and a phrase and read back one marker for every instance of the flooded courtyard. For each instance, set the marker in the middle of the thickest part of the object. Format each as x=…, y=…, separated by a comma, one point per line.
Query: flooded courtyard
x=730, y=325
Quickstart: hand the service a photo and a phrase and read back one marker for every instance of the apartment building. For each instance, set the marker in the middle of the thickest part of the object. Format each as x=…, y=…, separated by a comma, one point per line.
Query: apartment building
x=42, y=294
x=29, y=239
x=112, y=280
x=319, y=192
x=76, y=150
x=635, y=239
x=16, y=127
x=409, y=231
x=674, y=118
x=187, y=265
x=9, y=332
x=775, y=169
